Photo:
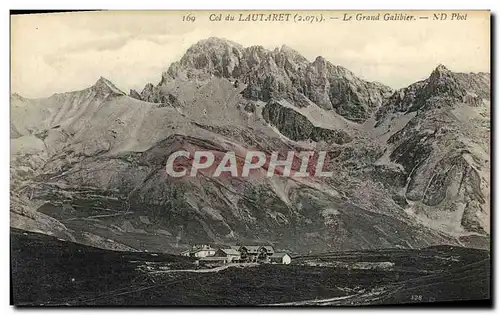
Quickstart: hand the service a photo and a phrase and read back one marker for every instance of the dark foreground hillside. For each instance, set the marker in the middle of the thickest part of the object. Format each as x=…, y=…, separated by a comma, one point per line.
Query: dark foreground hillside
x=50, y=272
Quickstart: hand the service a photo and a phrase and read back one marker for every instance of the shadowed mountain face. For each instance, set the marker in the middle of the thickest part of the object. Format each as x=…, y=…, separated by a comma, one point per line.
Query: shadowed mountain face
x=410, y=168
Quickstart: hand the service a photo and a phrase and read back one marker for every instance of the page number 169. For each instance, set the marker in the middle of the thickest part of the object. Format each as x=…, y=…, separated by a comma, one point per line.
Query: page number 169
x=188, y=18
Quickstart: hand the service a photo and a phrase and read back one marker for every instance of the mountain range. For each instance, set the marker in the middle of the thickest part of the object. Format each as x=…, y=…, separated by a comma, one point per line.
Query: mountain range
x=411, y=167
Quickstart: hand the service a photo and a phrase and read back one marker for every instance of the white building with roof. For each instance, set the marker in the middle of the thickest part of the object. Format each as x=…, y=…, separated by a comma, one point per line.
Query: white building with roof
x=280, y=258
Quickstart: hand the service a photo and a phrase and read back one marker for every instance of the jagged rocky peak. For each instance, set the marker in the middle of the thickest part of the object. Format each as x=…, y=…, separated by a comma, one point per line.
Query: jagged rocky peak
x=150, y=93
x=442, y=88
x=211, y=56
x=288, y=50
x=134, y=94
x=464, y=81
x=463, y=84
x=292, y=53
x=325, y=67
x=441, y=69
x=103, y=86
x=442, y=79
x=148, y=86
x=282, y=73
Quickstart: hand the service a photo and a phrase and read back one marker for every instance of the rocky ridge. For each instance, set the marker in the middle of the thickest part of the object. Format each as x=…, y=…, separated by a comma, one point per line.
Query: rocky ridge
x=278, y=74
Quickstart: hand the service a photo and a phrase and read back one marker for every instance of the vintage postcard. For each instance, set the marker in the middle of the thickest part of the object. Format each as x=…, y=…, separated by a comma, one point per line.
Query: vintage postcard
x=250, y=158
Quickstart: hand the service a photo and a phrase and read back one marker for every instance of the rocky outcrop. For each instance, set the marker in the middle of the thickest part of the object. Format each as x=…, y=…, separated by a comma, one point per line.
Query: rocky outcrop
x=151, y=93
x=135, y=94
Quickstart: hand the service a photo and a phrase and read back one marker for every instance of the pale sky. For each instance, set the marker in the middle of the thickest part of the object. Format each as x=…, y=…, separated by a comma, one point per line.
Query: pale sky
x=53, y=53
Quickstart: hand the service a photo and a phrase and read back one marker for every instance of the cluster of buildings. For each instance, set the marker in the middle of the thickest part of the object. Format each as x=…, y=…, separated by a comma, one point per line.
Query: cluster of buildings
x=238, y=254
